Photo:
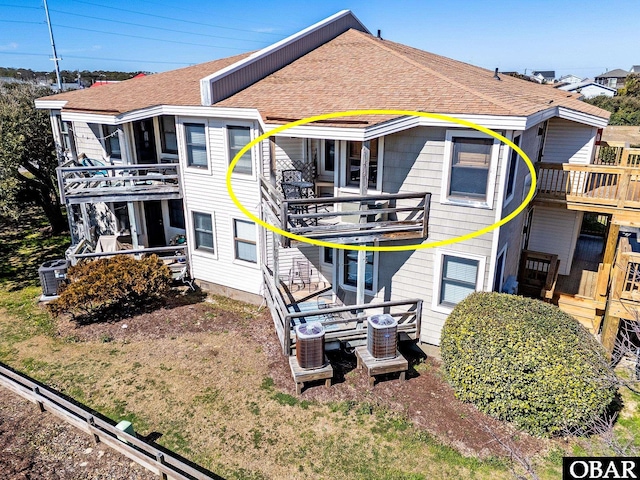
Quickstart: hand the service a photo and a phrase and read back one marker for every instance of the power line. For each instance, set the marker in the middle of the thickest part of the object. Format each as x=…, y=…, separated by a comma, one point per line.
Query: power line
x=119, y=34
x=97, y=58
x=120, y=22
x=175, y=19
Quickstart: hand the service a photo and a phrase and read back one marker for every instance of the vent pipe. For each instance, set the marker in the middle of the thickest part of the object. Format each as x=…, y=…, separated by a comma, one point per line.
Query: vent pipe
x=380, y=34
x=495, y=75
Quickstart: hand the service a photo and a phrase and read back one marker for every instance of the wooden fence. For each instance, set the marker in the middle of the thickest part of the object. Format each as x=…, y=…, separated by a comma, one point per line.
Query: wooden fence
x=161, y=461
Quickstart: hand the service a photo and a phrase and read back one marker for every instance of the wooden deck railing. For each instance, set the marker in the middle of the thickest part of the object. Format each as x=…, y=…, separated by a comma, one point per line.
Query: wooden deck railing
x=538, y=274
x=615, y=156
x=342, y=323
x=337, y=219
x=616, y=187
x=626, y=275
x=113, y=183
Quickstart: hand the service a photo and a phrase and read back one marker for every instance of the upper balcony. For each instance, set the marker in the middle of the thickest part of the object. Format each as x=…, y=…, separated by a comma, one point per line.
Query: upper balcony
x=347, y=218
x=119, y=183
x=610, y=185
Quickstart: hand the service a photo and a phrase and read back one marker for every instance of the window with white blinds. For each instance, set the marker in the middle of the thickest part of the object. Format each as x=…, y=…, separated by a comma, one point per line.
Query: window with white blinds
x=239, y=137
x=196, y=145
x=459, y=279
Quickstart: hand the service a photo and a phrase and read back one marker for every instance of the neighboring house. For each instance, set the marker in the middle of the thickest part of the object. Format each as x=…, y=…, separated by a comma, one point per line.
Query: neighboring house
x=544, y=76
x=164, y=143
x=570, y=79
x=613, y=78
x=635, y=69
x=589, y=89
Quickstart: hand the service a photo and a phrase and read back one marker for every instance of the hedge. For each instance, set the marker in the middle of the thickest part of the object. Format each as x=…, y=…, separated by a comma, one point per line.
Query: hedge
x=113, y=286
x=526, y=362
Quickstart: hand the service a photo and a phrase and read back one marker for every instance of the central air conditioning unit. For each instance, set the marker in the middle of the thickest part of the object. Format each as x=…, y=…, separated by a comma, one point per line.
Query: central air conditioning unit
x=310, y=345
x=382, y=336
x=53, y=274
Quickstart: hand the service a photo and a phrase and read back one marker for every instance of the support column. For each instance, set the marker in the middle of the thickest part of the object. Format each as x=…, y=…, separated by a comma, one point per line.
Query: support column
x=86, y=224
x=612, y=242
x=610, y=332
x=133, y=225
x=362, y=255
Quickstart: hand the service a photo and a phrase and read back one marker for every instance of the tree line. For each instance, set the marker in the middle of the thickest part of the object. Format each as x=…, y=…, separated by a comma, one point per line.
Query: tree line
x=87, y=77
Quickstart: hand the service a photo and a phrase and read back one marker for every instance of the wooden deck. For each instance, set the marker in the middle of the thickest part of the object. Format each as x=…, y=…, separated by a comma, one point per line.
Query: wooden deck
x=583, y=278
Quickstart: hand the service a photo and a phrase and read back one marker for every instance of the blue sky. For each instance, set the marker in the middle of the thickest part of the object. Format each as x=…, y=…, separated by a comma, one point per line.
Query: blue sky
x=581, y=37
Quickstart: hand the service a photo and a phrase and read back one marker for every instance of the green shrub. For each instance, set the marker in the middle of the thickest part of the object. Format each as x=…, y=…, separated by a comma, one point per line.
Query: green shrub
x=526, y=362
x=112, y=286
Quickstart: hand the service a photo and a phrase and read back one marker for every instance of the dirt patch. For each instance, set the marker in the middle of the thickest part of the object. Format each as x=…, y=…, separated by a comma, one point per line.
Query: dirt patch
x=36, y=445
x=425, y=398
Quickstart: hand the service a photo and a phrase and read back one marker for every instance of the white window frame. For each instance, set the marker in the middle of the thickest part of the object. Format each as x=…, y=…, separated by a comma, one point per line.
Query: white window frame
x=182, y=145
x=322, y=256
x=254, y=153
x=439, y=255
x=159, y=140
x=237, y=260
x=503, y=251
x=447, y=163
x=105, y=141
x=192, y=230
x=508, y=157
x=341, y=166
x=339, y=264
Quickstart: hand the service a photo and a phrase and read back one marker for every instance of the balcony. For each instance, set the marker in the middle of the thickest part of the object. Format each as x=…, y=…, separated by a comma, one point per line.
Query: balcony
x=121, y=183
x=611, y=185
x=348, y=218
x=343, y=323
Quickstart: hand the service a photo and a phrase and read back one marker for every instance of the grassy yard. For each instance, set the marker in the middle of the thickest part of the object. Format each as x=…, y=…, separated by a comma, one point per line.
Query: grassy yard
x=217, y=396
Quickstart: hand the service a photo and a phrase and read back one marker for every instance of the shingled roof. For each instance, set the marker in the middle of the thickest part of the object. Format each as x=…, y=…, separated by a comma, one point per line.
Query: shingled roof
x=355, y=70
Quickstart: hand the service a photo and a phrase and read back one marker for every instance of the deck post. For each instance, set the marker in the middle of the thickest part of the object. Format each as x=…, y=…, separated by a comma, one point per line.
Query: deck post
x=610, y=332
x=362, y=255
x=133, y=225
x=612, y=241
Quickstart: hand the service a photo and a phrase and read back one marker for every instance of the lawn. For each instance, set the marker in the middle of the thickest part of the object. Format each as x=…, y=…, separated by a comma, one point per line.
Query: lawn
x=207, y=378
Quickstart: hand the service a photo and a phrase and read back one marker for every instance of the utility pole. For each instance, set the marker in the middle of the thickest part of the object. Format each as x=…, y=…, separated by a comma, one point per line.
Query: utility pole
x=53, y=47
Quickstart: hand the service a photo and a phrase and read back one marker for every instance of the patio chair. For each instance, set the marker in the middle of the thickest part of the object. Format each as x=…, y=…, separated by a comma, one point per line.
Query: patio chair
x=291, y=176
x=293, y=192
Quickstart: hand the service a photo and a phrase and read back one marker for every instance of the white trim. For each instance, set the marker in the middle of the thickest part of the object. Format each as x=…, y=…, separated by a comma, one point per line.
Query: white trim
x=492, y=275
x=45, y=104
x=500, y=204
x=192, y=230
x=446, y=174
x=254, y=152
x=321, y=254
x=581, y=117
x=438, y=257
x=237, y=261
x=339, y=264
x=206, y=82
x=182, y=145
x=157, y=125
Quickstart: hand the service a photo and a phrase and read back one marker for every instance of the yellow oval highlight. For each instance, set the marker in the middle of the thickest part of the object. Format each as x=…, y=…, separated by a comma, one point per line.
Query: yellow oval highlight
x=395, y=248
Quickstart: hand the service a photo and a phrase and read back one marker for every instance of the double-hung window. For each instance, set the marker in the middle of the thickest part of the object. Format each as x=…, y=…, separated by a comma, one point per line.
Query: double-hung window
x=203, y=232
x=354, y=152
x=196, y=142
x=459, y=279
x=456, y=276
x=244, y=239
x=238, y=137
x=168, y=136
x=470, y=159
x=112, y=141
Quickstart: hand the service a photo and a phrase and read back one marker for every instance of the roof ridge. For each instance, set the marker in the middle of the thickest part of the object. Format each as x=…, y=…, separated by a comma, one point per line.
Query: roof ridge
x=438, y=74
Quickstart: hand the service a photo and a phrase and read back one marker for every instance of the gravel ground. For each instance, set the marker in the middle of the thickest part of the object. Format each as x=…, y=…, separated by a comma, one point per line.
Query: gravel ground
x=36, y=445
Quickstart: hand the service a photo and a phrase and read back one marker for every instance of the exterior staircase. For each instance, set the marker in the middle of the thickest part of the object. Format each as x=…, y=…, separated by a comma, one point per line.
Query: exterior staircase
x=586, y=310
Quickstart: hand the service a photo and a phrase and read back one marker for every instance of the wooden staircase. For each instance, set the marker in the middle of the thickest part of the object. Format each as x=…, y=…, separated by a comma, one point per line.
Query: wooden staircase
x=586, y=310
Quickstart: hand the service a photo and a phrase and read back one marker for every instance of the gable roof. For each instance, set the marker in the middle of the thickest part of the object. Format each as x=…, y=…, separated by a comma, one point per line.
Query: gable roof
x=617, y=73
x=354, y=70
x=576, y=86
